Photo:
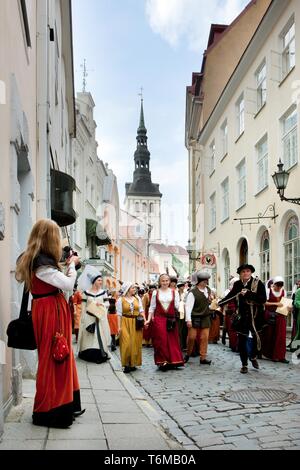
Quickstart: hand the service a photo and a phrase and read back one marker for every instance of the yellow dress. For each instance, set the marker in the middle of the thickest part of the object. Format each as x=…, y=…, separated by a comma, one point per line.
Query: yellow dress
x=130, y=338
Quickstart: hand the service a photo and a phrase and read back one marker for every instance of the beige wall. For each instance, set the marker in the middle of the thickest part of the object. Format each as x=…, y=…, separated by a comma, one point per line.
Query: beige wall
x=223, y=57
x=280, y=96
x=17, y=60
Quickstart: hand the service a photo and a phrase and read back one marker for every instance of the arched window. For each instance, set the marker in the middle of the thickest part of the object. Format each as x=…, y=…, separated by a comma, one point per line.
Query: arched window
x=151, y=207
x=144, y=207
x=292, y=253
x=226, y=270
x=137, y=207
x=265, y=256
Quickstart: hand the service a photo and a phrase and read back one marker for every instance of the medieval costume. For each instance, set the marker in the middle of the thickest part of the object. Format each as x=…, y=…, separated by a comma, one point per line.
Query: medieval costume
x=113, y=322
x=57, y=388
x=198, y=317
x=274, y=332
x=165, y=340
x=76, y=301
x=250, y=296
x=295, y=337
x=229, y=309
x=147, y=332
x=130, y=340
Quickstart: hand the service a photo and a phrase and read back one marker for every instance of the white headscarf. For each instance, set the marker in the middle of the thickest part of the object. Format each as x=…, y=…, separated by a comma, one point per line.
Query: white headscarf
x=87, y=277
x=126, y=286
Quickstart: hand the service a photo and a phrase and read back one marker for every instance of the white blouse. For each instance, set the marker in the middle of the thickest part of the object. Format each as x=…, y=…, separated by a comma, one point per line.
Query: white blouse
x=165, y=298
x=56, y=278
x=119, y=305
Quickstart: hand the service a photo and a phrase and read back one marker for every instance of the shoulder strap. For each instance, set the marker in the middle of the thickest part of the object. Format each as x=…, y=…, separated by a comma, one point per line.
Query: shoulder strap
x=24, y=303
x=254, y=284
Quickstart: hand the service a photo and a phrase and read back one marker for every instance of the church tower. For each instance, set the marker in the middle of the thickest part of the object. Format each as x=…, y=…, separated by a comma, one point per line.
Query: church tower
x=143, y=198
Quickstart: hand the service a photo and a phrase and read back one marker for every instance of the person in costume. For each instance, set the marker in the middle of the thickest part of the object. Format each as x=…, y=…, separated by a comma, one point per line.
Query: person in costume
x=228, y=310
x=147, y=341
x=295, y=336
x=274, y=333
x=250, y=295
x=182, y=329
x=57, y=399
x=198, y=316
x=76, y=301
x=165, y=339
x=94, y=332
x=129, y=307
x=113, y=319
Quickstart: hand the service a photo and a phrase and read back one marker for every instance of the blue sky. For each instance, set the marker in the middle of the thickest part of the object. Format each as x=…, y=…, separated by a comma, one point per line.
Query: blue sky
x=156, y=44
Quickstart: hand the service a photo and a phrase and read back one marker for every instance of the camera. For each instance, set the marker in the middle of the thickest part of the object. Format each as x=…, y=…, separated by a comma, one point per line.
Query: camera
x=67, y=252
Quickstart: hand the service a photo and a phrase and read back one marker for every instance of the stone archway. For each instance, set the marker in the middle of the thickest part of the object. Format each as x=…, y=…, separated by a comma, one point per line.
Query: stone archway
x=243, y=252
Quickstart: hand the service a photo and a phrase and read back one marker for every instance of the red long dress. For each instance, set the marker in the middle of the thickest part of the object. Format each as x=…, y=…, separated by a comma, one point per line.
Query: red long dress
x=274, y=336
x=57, y=387
x=166, y=343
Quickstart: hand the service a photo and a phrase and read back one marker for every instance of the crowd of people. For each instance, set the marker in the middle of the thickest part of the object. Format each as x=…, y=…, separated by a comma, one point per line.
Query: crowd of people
x=177, y=318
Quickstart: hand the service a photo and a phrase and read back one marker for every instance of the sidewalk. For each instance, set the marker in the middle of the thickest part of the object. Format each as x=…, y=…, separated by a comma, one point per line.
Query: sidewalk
x=117, y=417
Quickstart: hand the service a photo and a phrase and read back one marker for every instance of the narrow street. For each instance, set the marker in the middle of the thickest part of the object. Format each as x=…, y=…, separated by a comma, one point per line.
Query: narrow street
x=195, y=411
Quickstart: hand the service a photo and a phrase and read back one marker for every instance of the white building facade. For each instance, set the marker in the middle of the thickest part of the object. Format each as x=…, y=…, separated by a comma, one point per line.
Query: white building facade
x=254, y=124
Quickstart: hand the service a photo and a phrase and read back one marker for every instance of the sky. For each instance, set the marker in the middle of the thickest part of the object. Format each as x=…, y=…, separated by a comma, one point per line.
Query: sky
x=157, y=45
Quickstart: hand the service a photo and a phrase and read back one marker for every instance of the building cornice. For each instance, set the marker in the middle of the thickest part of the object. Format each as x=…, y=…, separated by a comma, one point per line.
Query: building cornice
x=263, y=30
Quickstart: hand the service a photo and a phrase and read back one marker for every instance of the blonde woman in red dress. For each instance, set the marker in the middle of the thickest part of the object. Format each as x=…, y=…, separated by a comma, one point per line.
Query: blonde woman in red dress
x=57, y=398
x=165, y=339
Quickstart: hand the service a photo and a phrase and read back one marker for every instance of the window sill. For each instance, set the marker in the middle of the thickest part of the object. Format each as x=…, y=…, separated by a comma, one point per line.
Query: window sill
x=212, y=230
x=261, y=190
x=241, y=207
x=292, y=167
x=224, y=156
x=239, y=137
x=286, y=76
x=224, y=220
x=260, y=109
x=212, y=173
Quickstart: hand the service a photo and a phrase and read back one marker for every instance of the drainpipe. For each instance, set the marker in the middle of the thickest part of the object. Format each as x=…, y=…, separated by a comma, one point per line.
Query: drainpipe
x=43, y=152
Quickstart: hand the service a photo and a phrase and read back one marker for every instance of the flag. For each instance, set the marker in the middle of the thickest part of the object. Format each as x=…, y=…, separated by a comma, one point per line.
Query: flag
x=179, y=267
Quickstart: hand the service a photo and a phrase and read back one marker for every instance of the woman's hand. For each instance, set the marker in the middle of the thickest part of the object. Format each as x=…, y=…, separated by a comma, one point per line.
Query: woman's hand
x=189, y=324
x=75, y=259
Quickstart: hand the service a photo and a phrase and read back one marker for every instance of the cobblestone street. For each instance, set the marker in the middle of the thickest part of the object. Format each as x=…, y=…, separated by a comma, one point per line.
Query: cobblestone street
x=194, y=409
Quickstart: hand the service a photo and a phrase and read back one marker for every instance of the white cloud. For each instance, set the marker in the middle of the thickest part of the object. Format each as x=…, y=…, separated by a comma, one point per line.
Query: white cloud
x=189, y=20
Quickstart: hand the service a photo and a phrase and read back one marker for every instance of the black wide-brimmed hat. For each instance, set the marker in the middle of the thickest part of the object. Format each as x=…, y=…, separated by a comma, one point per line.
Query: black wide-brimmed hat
x=245, y=266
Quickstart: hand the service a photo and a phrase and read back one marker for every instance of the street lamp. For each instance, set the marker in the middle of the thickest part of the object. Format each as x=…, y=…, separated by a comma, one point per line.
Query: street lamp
x=191, y=249
x=280, y=179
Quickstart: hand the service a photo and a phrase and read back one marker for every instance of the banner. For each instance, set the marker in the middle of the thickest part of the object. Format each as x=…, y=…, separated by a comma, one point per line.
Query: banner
x=182, y=269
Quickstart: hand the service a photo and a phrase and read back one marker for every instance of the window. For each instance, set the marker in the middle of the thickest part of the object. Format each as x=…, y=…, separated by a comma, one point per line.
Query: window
x=151, y=207
x=224, y=138
x=144, y=207
x=240, y=115
x=212, y=209
x=56, y=67
x=241, y=179
x=262, y=163
x=212, y=157
x=292, y=254
x=225, y=199
x=261, y=85
x=288, y=47
x=264, y=256
x=226, y=270
x=92, y=194
x=137, y=207
x=289, y=138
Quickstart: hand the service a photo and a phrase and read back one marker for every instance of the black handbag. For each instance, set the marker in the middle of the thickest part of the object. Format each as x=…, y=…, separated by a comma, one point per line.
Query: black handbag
x=271, y=318
x=20, y=332
x=139, y=322
x=171, y=323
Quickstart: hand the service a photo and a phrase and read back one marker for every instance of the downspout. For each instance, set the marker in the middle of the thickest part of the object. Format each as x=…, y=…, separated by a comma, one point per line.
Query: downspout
x=43, y=180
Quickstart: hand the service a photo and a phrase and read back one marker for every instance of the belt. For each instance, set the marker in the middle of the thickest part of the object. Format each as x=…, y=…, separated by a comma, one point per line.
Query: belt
x=40, y=296
x=129, y=316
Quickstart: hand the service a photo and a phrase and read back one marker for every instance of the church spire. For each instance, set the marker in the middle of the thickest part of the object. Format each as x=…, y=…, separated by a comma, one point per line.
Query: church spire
x=142, y=183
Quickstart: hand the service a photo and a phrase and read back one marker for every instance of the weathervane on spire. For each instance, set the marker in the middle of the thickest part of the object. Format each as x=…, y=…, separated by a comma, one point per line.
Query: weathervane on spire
x=141, y=93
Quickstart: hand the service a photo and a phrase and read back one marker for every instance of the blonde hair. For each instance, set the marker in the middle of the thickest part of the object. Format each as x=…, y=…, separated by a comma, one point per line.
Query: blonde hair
x=44, y=238
x=159, y=279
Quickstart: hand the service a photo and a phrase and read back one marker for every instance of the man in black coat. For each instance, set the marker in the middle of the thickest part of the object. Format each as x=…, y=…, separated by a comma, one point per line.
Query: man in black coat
x=251, y=297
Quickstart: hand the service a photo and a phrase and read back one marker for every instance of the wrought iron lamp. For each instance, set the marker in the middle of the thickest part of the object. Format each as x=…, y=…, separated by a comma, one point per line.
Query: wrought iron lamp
x=280, y=179
x=190, y=249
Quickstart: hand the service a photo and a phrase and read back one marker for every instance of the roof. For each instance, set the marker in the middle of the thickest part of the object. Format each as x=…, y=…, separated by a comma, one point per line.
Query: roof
x=169, y=249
